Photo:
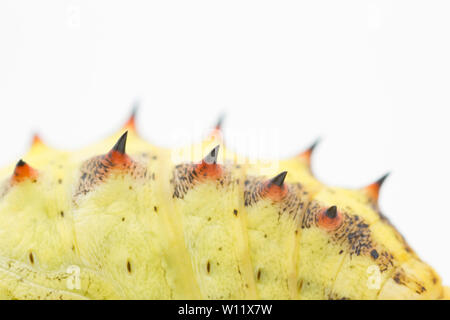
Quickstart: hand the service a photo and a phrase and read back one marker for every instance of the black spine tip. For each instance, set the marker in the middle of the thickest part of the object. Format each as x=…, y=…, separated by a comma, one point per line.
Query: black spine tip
x=279, y=179
x=220, y=121
x=331, y=212
x=211, y=158
x=314, y=145
x=21, y=163
x=380, y=181
x=135, y=108
x=121, y=143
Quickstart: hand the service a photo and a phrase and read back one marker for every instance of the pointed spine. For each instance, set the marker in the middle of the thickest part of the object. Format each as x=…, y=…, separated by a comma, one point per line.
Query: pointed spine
x=209, y=168
x=121, y=144
x=373, y=190
x=330, y=219
x=131, y=122
x=275, y=188
x=117, y=155
x=219, y=122
x=307, y=154
x=211, y=157
x=216, y=133
x=278, y=180
x=36, y=140
x=331, y=212
x=23, y=172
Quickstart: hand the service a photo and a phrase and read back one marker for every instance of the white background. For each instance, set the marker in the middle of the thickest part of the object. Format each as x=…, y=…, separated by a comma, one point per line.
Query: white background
x=369, y=77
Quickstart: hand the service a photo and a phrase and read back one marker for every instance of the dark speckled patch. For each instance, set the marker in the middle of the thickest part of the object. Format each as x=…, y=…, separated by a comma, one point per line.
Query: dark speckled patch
x=335, y=296
x=292, y=204
x=354, y=233
x=401, y=278
x=185, y=177
x=97, y=169
x=252, y=190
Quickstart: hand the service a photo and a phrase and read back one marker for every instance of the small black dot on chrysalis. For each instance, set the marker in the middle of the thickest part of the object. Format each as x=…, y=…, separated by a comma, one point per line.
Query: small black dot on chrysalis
x=128, y=266
x=374, y=254
x=235, y=212
x=208, y=267
x=31, y=257
x=299, y=285
x=62, y=214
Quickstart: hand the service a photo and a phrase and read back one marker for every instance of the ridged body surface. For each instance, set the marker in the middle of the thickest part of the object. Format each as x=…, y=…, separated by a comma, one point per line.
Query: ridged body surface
x=154, y=223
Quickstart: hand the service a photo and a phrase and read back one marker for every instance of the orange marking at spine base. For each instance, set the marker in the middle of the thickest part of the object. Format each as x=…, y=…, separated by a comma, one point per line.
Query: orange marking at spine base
x=23, y=172
x=373, y=190
x=117, y=158
x=330, y=219
x=97, y=169
x=208, y=170
x=274, y=192
x=306, y=155
x=275, y=188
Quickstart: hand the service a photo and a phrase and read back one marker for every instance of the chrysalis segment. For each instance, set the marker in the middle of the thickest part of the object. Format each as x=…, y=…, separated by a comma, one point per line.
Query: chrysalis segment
x=273, y=211
x=126, y=210
x=337, y=234
x=209, y=208
x=37, y=238
x=363, y=250
x=319, y=257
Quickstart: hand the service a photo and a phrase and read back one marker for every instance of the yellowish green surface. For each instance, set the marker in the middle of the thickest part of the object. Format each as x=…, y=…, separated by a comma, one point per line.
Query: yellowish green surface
x=129, y=237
